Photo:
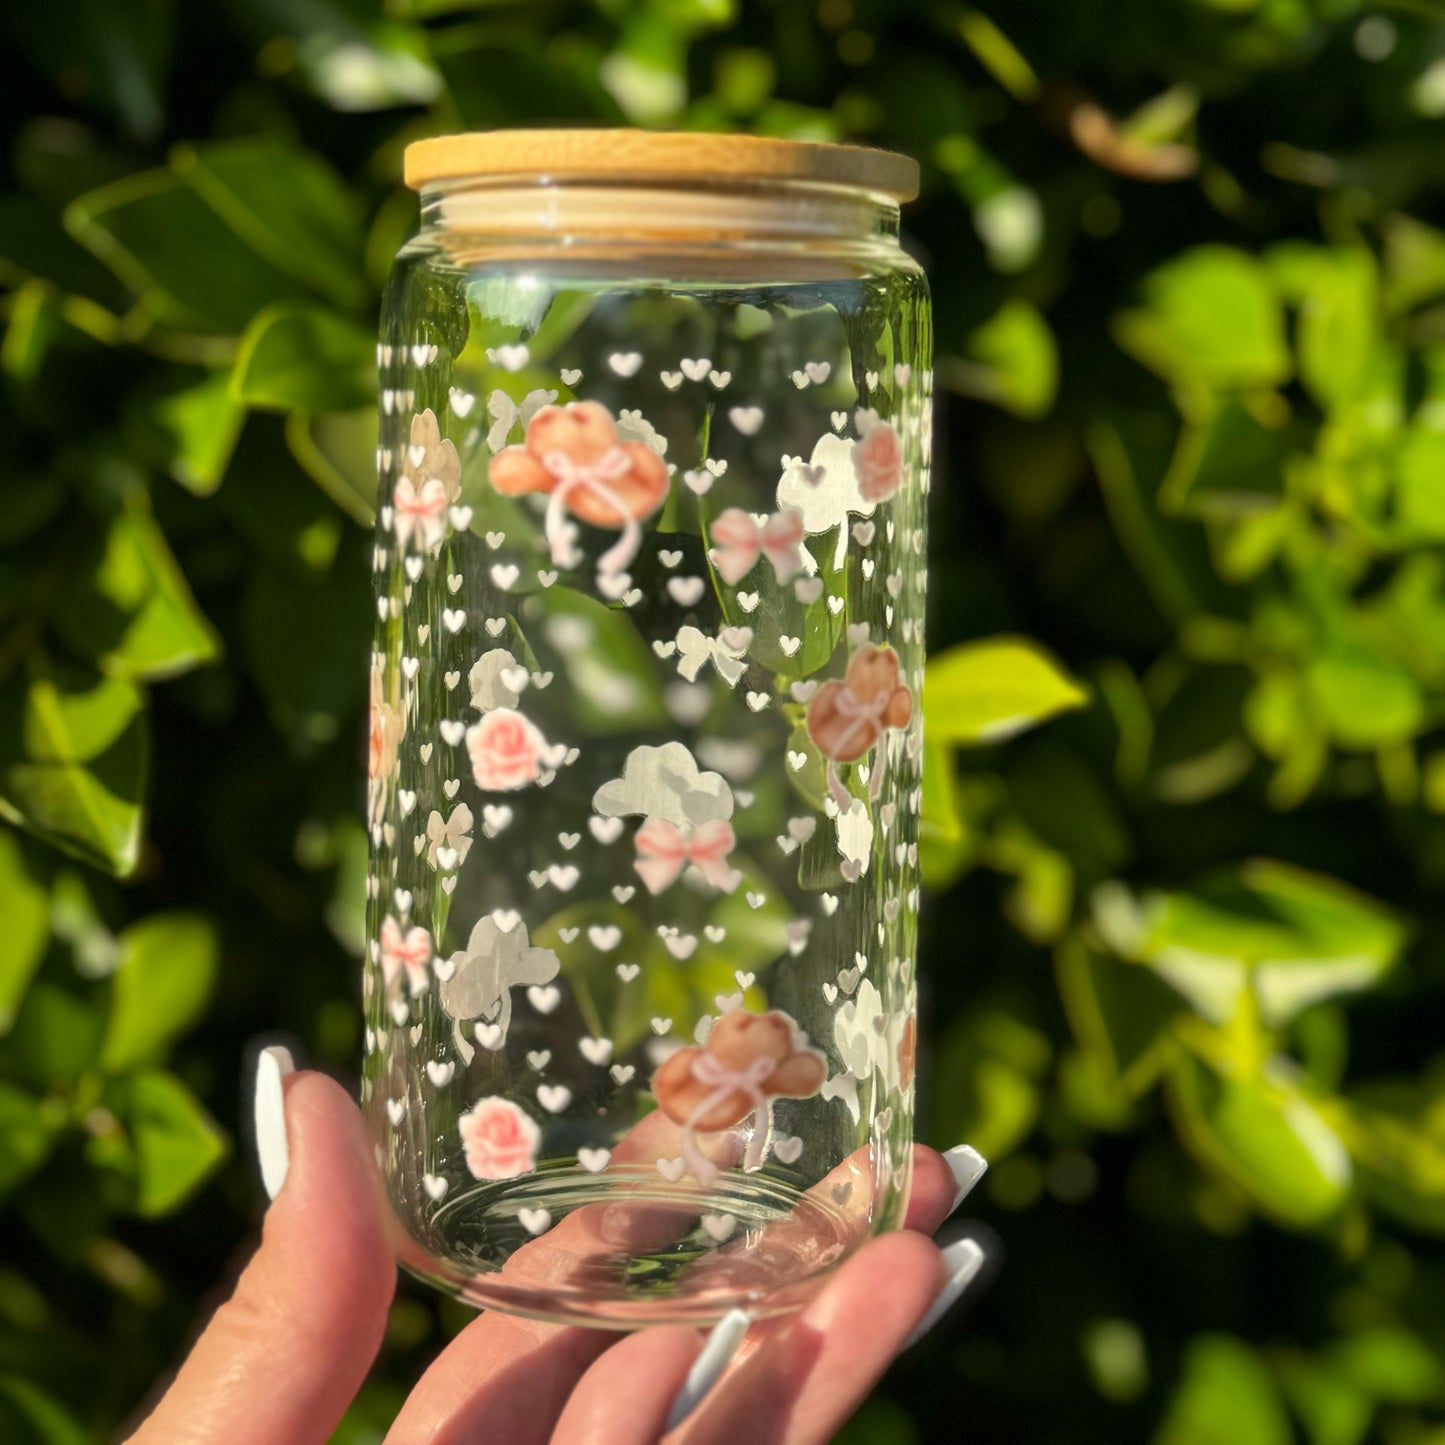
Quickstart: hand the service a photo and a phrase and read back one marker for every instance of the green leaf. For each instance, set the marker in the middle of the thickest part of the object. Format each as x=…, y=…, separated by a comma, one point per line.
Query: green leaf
x=1227, y=464
x=999, y=55
x=177, y=1144
x=1011, y=361
x=989, y=1081
x=983, y=692
x=1338, y=299
x=1063, y=800
x=306, y=646
x=133, y=613
x=1197, y=750
x=1389, y=1364
x=666, y=988
x=56, y=1035
x=338, y=451
x=202, y=424
x=289, y=207
x=1042, y=898
x=73, y=762
x=26, y=1136
x=1332, y=1410
x=944, y=841
x=1419, y=496
x=1119, y=1012
x=1366, y=700
x=27, y=926
x=189, y=268
x=31, y=503
x=1264, y=1135
x=1414, y=261
x=43, y=1419
x=608, y=1007
x=346, y=909
x=301, y=358
x=167, y=966
x=819, y=629
x=1227, y=1397
x=494, y=84
x=611, y=671
x=1296, y=937
x=34, y=335
x=34, y=243
x=1396, y=1139
x=1210, y=318
x=289, y=524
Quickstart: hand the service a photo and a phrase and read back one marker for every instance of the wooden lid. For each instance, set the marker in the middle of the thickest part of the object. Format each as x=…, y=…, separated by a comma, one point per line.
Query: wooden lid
x=623, y=155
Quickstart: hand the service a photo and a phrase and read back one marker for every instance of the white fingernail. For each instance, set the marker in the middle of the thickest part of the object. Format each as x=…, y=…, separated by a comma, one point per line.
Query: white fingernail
x=968, y=1167
x=271, y=1067
x=722, y=1344
x=962, y=1260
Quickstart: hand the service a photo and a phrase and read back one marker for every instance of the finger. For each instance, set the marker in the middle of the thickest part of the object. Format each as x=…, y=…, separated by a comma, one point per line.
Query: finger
x=502, y=1378
x=935, y=1191
x=801, y=1377
x=624, y=1399
x=283, y=1357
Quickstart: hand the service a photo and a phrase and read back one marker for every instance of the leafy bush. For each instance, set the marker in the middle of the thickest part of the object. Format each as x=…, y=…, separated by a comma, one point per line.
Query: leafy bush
x=1184, y=980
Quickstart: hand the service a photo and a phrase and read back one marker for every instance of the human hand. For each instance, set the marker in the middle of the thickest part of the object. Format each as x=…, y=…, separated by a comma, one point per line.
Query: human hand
x=281, y=1360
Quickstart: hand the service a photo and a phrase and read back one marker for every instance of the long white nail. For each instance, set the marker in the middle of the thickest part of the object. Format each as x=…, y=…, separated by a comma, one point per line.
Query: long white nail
x=962, y=1259
x=968, y=1167
x=722, y=1344
x=271, y=1067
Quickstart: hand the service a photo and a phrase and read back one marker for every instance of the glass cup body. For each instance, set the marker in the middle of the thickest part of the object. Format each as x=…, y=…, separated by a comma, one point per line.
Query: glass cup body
x=645, y=748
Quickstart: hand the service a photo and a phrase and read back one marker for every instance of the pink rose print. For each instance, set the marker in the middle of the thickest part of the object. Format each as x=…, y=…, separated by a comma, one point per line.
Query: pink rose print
x=878, y=460
x=500, y=1140
x=846, y=718
x=408, y=952
x=574, y=454
x=749, y=1059
x=507, y=751
x=663, y=850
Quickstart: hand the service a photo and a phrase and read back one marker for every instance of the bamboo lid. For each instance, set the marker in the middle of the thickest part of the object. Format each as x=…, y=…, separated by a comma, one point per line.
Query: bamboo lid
x=624, y=155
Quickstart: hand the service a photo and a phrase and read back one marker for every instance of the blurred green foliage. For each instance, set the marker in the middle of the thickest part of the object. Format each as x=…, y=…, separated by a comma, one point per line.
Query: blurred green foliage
x=1186, y=985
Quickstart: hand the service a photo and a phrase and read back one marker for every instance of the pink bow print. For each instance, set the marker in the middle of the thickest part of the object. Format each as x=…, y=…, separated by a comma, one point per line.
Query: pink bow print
x=738, y=541
x=663, y=849
x=423, y=512
x=411, y=952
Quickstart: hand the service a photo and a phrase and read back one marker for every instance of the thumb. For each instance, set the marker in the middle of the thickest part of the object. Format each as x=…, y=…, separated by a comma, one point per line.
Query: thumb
x=283, y=1357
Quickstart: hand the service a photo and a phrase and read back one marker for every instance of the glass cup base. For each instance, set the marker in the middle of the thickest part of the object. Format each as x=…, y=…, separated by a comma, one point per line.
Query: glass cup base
x=625, y=1248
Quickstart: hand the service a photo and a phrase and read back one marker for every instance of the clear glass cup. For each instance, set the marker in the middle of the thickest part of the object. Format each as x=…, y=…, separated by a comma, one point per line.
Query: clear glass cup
x=644, y=770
